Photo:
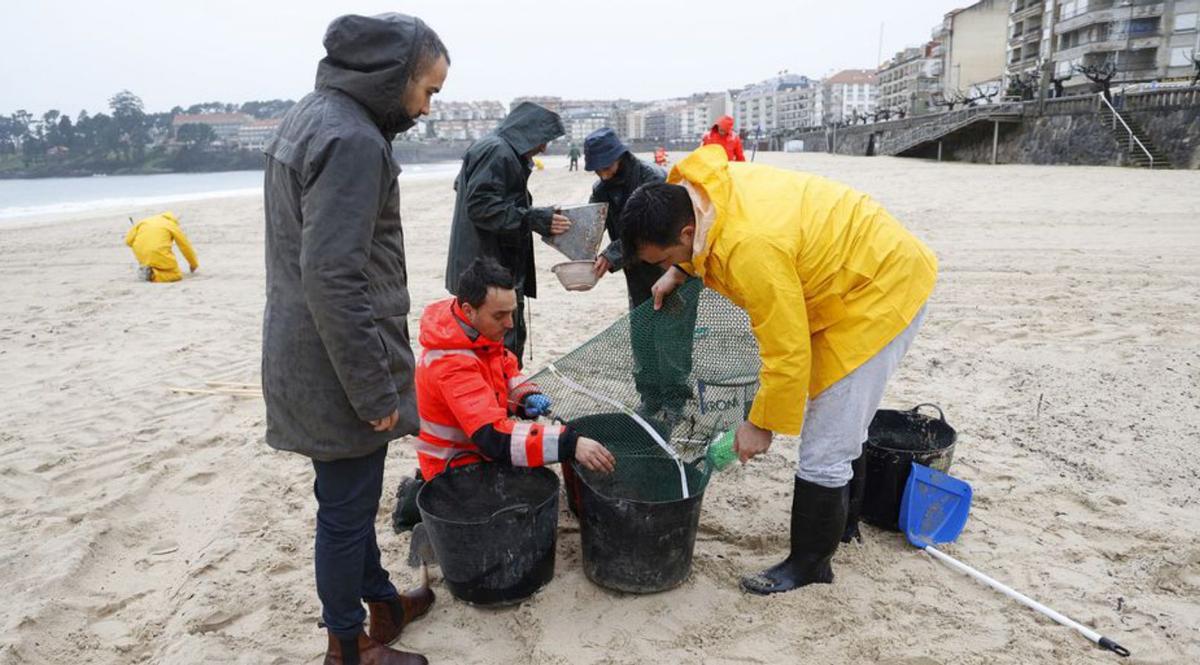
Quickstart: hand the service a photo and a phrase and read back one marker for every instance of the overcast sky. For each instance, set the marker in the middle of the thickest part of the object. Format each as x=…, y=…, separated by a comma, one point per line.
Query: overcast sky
x=74, y=54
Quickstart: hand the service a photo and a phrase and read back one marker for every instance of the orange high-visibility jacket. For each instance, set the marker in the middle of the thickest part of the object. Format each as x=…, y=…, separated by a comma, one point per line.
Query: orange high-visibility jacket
x=468, y=389
x=730, y=140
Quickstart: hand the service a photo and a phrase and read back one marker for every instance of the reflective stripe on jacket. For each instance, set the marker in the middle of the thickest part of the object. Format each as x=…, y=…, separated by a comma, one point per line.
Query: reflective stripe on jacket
x=467, y=383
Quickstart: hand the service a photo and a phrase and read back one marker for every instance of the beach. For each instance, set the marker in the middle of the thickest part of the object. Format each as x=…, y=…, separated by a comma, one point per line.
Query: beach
x=146, y=526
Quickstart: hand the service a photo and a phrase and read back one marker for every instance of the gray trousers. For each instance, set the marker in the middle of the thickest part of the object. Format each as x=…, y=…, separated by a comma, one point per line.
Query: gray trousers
x=835, y=425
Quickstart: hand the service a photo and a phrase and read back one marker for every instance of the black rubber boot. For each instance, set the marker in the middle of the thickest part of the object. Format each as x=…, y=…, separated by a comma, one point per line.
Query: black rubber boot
x=407, y=515
x=818, y=519
x=858, y=485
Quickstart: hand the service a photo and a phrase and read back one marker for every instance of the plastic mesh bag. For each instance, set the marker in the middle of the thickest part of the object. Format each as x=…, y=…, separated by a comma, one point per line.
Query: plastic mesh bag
x=660, y=385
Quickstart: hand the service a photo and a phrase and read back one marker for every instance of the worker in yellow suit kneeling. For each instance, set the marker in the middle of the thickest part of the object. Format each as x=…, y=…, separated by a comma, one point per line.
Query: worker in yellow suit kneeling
x=151, y=240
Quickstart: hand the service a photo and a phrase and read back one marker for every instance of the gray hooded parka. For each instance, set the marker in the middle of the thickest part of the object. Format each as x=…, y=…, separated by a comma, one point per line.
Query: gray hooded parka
x=336, y=350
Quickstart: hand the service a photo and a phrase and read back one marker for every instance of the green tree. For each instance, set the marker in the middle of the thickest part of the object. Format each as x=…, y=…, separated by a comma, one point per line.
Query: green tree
x=9, y=135
x=50, y=127
x=66, y=133
x=211, y=107
x=159, y=127
x=85, y=139
x=22, y=124
x=130, y=119
x=263, y=110
x=106, y=138
x=196, y=135
x=33, y=150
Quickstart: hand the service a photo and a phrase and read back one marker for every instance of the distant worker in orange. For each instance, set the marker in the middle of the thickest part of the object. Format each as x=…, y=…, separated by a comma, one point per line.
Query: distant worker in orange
x=722, y=134
x=151, y=240
x=660, y=156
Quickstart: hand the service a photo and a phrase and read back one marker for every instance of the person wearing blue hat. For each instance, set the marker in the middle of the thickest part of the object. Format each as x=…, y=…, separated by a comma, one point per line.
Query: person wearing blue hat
x=620, y=173
x=661, y=374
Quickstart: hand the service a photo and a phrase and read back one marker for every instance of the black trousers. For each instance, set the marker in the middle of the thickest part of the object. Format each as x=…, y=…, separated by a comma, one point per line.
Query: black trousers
x=347, y=555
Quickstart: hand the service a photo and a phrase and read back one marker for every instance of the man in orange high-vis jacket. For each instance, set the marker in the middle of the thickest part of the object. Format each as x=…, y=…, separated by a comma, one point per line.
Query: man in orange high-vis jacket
x=469, y=386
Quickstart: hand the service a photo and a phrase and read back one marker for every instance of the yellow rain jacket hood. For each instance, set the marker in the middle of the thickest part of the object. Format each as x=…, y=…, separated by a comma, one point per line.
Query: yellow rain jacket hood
x=151, y=240
x=826, y=275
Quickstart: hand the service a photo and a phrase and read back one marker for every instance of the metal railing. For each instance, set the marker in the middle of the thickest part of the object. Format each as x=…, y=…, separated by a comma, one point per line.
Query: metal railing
x=1103, y=101
x=1077, y=104
x=1164, y=98
x=942, y=124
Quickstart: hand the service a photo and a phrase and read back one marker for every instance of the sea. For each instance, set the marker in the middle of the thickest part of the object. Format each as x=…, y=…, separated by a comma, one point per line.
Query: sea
x=23, y=200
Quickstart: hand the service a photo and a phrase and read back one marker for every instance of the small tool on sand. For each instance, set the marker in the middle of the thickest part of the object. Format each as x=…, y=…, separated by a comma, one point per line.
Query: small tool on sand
x=934, y=511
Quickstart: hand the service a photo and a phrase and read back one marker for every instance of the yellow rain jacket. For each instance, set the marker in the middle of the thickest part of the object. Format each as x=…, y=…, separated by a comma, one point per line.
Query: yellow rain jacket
x=826, y=275
x=151, y=240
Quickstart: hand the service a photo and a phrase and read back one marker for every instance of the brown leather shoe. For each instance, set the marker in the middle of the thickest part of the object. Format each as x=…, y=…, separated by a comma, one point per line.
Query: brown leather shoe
x=363, y=650
x=389, y=617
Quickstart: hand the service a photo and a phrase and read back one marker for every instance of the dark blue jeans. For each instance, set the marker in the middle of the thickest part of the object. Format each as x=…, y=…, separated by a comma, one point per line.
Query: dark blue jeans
x=347, y=556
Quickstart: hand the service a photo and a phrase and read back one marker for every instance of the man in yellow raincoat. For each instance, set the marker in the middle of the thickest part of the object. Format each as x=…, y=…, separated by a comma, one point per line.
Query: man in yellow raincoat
x=835, y=289
x=151, y=240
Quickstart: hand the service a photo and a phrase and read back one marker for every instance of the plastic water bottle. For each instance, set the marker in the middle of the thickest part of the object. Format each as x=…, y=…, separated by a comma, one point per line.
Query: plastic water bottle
x=720, y=452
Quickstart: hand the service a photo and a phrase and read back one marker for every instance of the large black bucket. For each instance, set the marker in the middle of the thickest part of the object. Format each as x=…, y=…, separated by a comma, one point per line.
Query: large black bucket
x=637, y=530
x=895, y=440
x=493, y=529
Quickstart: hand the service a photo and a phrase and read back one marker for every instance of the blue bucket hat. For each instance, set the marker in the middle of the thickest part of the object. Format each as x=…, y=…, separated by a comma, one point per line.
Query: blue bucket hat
x=601, y=148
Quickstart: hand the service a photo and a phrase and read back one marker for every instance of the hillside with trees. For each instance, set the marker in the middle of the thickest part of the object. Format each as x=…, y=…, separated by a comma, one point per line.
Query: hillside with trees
x=126, y=140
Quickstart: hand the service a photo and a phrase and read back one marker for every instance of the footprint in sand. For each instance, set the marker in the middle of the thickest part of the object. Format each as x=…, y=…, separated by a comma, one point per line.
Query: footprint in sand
x=163, y=548
x=1180, y=577
x=114, y=633
x=202, y=478
x=213, y=621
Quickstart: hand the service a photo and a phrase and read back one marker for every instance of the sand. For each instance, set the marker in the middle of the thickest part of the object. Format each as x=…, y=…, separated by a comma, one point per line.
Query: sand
x=141, y=526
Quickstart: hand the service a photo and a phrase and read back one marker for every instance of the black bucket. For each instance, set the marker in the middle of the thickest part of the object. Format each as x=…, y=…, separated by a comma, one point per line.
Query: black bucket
x=637, y=530
x=895, y=440
x=493, y=529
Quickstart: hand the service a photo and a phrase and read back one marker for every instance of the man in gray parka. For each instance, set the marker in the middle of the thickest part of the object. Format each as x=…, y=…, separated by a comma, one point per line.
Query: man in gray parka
x=337, y=369
x=493, y=210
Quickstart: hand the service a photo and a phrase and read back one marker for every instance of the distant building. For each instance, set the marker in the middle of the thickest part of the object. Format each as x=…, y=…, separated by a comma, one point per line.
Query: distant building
x=225, y=125
x=848, y=93
x=662, y=124
x=973, y=42
x=1145, y=41
x=797, y=106
x=907, y=81
x=630, y=123
x=700, y=112
x=463, y=120
x=580, y=123
x=693, y=120
x=551, y=103
x=581, y=116
x=761, y=107
x=1028, y=36
x=254, y=135
x=420, y=131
